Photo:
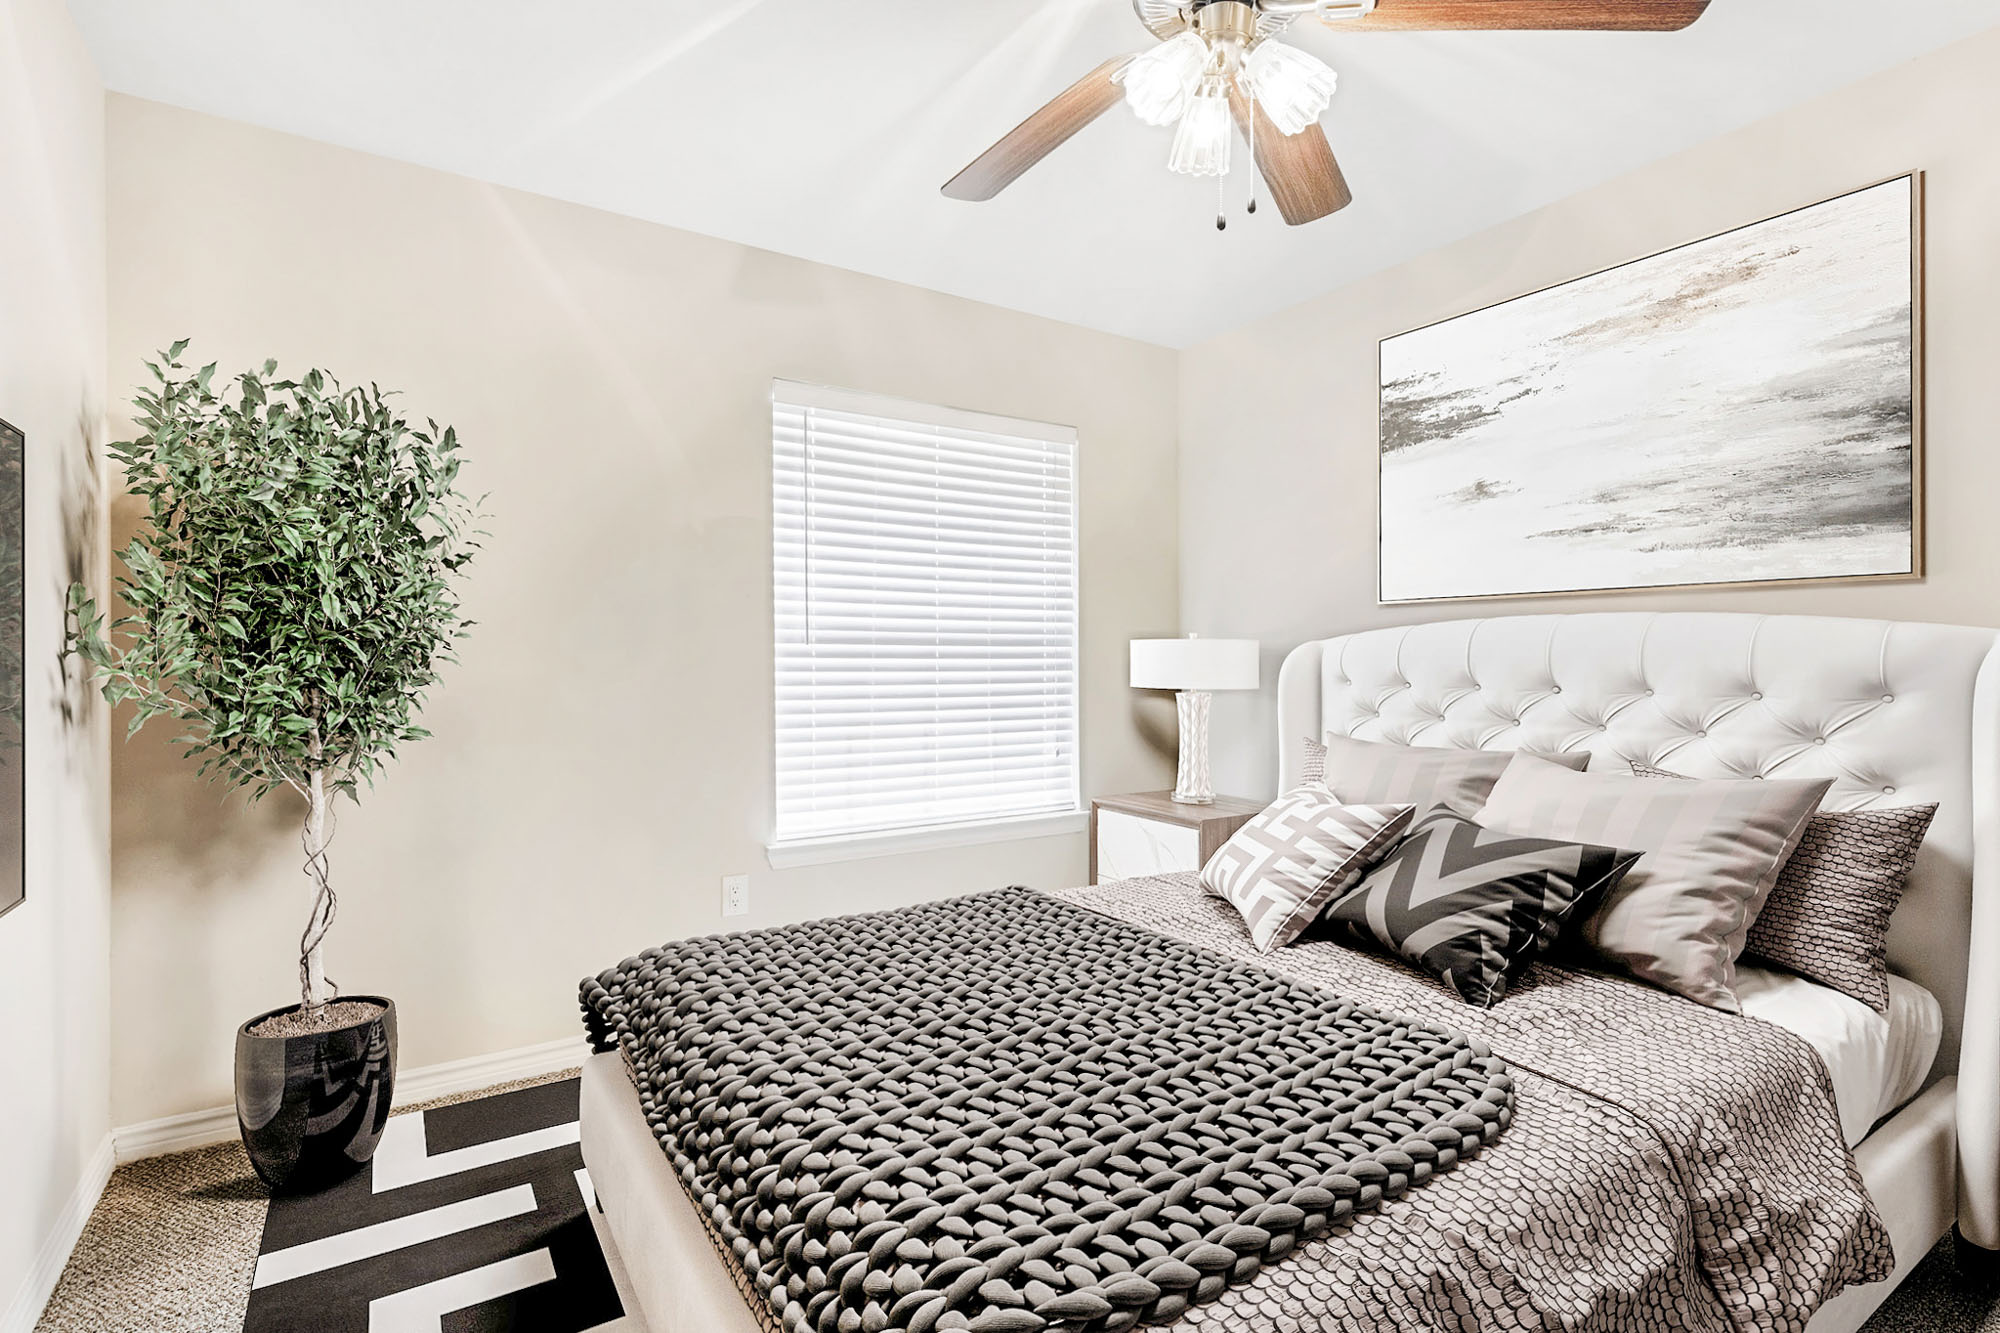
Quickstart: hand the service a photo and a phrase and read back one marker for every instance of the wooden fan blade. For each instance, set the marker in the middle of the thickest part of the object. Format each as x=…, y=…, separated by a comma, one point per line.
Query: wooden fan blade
x=1040, y=134
x=1544, y=15
x=1305, y=181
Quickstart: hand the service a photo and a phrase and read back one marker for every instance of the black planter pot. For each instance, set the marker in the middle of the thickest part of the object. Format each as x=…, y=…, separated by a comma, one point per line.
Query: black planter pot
x=311, y=1108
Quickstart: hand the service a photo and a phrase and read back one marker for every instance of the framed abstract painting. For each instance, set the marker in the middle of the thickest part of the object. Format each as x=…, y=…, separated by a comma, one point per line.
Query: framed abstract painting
x=1743, y=410
x=13, y=670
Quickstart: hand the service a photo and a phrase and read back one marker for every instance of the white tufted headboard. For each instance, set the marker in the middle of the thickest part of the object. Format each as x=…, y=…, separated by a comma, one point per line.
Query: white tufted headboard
x=1895, y=713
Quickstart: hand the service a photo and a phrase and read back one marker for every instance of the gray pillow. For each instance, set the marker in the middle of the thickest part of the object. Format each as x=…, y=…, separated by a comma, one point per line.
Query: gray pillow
x=1828, y=915
x=1712, y=852
x=1428, y=777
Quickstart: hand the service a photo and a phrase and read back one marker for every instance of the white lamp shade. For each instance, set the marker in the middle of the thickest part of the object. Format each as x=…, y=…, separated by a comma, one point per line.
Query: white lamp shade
x=1194, y=664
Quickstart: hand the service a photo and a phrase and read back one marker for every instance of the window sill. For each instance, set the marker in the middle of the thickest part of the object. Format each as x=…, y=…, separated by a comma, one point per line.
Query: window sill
x=859, y=846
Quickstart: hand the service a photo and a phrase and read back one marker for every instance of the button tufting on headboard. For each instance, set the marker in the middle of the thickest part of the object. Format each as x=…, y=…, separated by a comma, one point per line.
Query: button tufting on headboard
x=1717, y=695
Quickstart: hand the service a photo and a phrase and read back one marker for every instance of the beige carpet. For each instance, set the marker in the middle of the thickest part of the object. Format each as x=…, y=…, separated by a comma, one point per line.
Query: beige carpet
x=169, y=1249
x=172, y=1244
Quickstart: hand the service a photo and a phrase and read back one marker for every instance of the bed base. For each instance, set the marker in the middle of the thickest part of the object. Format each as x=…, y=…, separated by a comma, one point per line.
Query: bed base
x=1917, y=1148
x=677, y=1277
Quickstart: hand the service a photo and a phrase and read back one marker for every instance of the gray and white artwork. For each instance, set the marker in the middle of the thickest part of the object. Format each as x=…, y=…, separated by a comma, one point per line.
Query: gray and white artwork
x=13, y=672
x=1741, y=409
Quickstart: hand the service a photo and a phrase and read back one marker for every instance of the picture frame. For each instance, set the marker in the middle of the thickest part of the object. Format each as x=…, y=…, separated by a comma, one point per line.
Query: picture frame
x=13, y=668
x=1849, y=509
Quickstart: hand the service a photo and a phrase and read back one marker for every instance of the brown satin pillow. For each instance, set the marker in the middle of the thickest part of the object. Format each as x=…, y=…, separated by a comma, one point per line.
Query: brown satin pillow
x=1712, y=852
x=1426, y=776
x=1827, y=918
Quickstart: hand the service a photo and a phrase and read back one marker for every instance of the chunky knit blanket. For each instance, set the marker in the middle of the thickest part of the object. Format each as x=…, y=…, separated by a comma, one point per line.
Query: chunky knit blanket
x=1664, y=1165
x=1008, y=1113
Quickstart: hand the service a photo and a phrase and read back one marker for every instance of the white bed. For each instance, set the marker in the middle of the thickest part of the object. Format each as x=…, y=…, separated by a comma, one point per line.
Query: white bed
x=1877, y=1062
x=1895, y=713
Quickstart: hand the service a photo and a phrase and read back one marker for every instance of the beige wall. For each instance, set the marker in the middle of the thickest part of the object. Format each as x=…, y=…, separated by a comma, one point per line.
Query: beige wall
x=54, y=1029
x=1278, y=419
x=602, y=752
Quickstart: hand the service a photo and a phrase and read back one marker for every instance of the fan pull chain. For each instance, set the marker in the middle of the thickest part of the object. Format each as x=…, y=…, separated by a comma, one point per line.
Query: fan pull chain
x=1221, y=201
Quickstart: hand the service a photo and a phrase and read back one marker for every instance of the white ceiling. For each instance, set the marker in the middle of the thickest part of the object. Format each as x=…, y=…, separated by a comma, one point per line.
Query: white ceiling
x=823, y=128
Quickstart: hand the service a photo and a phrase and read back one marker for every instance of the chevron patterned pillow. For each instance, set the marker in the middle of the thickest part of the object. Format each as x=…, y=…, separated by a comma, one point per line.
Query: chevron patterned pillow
x=1471, y=906
x=1286, y=864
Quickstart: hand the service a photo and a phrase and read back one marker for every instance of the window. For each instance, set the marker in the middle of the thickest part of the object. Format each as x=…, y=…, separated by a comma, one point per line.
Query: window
x=925, y=590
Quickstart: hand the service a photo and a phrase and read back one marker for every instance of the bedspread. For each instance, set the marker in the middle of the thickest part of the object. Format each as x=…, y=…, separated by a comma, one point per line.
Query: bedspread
x=1669, y=1166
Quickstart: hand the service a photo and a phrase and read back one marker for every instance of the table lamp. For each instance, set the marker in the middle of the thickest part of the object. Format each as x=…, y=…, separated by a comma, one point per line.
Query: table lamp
x=1192, y=667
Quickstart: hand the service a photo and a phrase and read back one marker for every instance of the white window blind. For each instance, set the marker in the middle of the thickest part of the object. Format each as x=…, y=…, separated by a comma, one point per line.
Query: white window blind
x=925, y=571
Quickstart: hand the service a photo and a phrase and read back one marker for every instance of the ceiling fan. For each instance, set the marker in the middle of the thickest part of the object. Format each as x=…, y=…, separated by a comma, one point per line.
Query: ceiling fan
x=1220, y=70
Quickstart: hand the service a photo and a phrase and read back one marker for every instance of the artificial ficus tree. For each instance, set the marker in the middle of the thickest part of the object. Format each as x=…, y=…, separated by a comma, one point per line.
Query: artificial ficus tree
x=291, y=594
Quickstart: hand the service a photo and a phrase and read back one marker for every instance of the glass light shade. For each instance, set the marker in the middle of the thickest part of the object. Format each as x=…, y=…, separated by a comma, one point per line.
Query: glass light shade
x=1201, y=145
x=1292, y=87
x=1159, y=82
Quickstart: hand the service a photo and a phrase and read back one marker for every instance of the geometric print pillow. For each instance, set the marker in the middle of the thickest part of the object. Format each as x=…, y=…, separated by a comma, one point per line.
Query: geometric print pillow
x=1827, y=918
x=1474, y=907
x=1286, y=864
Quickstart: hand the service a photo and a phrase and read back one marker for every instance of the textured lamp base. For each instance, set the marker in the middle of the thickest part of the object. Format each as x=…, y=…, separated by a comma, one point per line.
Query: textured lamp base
x=1191, y=784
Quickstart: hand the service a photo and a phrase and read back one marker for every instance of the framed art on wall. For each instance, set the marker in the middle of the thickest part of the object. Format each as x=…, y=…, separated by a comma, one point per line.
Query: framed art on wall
x=1742, y=410
x=13, y=674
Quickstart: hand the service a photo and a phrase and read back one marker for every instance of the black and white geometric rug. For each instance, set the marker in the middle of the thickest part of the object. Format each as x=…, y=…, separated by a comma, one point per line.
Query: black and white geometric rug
x=472, y=1218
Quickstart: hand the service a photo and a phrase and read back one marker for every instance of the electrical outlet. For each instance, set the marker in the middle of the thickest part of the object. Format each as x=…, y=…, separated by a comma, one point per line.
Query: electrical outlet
x=735, y=895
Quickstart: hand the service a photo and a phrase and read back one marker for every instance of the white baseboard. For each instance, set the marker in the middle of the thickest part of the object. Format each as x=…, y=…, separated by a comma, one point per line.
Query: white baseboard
x=483, y=1071
x=174, y=1133
x=40, y=1283
x=197, y=1129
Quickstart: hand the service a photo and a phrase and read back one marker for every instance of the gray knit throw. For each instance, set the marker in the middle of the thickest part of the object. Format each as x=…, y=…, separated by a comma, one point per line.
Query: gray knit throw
x=1006, y=1113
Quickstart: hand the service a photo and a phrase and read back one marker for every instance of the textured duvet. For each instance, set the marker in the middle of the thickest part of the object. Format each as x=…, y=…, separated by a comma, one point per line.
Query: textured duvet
x=1662, y=1165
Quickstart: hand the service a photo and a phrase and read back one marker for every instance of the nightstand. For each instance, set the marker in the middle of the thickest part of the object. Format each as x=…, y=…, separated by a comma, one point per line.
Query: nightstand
x=1150, y=833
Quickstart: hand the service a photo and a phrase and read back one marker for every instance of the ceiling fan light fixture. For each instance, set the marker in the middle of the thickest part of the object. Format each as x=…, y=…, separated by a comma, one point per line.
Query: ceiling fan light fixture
x=1160, y=83
x=1204, y=44
x=1201, y=145
x=1293, y=88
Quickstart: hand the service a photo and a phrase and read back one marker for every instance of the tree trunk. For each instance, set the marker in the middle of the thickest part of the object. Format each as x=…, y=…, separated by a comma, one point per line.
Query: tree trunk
x=315, y=990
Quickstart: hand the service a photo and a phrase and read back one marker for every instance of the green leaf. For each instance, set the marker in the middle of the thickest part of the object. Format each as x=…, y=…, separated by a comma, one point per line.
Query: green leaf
x=285, y=607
